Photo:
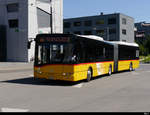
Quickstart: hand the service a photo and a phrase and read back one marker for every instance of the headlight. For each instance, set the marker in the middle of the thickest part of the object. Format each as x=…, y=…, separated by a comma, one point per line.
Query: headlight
x=38, y=71
x=67, y=74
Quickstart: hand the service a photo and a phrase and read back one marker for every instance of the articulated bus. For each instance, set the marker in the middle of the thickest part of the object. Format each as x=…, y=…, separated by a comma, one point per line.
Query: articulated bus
x=71, y=57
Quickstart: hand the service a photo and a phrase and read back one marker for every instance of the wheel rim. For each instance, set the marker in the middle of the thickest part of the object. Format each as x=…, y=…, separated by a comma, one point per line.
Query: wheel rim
x=89, y=75
x=131, y=68
x=110, y=71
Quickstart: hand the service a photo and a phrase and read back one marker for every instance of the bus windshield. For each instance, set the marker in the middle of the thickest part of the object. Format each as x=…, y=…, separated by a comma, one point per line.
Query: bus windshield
x=54, y=54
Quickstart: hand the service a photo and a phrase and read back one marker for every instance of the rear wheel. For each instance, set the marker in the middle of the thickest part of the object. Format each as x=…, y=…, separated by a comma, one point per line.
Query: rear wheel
x=110, y=70
x=89, y=75
x=131, y=67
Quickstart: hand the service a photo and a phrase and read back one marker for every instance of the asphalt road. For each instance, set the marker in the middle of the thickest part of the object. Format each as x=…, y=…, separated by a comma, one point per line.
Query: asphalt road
x=121, y=92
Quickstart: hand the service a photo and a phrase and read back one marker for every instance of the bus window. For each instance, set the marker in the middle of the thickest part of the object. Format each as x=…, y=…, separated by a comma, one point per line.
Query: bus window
x=137, y=53
x=43, y=53
x=39, y=55
x=77, y=52
x=109, y=53
x=53, y=53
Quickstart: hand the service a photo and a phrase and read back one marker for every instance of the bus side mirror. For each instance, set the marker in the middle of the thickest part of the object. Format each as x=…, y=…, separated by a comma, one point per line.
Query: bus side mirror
x=29, y=43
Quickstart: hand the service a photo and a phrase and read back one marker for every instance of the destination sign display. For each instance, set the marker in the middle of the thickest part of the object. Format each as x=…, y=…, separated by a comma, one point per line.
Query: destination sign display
x=54, y=39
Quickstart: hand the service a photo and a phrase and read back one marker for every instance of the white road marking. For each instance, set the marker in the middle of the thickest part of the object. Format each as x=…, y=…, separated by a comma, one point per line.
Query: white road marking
x=13, y=110
x=78, y=85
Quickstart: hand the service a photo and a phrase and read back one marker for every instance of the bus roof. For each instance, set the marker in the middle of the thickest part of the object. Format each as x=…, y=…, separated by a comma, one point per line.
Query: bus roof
x=110, y=42
x=125, y=43
x=92, y=37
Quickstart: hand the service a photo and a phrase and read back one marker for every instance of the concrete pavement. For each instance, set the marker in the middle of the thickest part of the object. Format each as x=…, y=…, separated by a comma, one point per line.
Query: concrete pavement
x=121, y=92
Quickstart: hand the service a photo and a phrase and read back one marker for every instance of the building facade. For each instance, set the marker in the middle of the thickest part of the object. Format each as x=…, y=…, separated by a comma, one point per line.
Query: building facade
x=142, y=30
x=23, y=20
x=112, y=27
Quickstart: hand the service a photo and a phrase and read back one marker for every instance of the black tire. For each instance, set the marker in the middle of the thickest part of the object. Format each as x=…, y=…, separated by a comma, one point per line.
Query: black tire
x=110, y=70
x=131, y=67
x=89, y=75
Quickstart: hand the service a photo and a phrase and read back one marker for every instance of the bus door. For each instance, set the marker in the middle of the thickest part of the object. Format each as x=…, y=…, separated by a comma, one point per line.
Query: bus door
x=115, y=57
x=52, y=56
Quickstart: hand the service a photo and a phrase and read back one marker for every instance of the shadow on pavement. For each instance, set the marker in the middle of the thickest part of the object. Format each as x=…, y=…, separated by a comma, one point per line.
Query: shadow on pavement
x=44, y=82
x=32, y=81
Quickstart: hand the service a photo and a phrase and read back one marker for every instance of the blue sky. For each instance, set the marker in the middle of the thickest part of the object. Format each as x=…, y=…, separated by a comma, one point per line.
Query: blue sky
x=138, y=9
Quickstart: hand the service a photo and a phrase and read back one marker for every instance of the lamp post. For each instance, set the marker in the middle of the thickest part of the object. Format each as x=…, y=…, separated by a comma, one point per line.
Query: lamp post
x=51, y=17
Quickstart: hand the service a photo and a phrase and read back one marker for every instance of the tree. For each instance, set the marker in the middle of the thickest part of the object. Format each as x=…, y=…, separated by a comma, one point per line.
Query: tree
x=143, y=50
x=147, y=44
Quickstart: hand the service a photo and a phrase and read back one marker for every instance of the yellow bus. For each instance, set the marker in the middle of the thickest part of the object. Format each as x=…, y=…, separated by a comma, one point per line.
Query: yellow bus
x=70, y=57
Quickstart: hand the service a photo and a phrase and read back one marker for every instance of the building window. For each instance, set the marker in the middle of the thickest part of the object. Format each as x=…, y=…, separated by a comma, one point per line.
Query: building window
x=100, y=32
x=112, y=21
x=100, y=22
x=87, y=32
x=124, y=32
x=67, y=24
x=88, y=23
x=77, y=32
x=13, y=7
x=112, y=31
x=13, y=23
x=124, y=21
x=43, y=19
x=77, y=24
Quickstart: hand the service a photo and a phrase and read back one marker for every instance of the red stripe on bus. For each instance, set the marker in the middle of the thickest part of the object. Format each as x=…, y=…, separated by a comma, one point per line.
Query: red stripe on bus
x=94, y=62
x=129, y=60
x=75, y=64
